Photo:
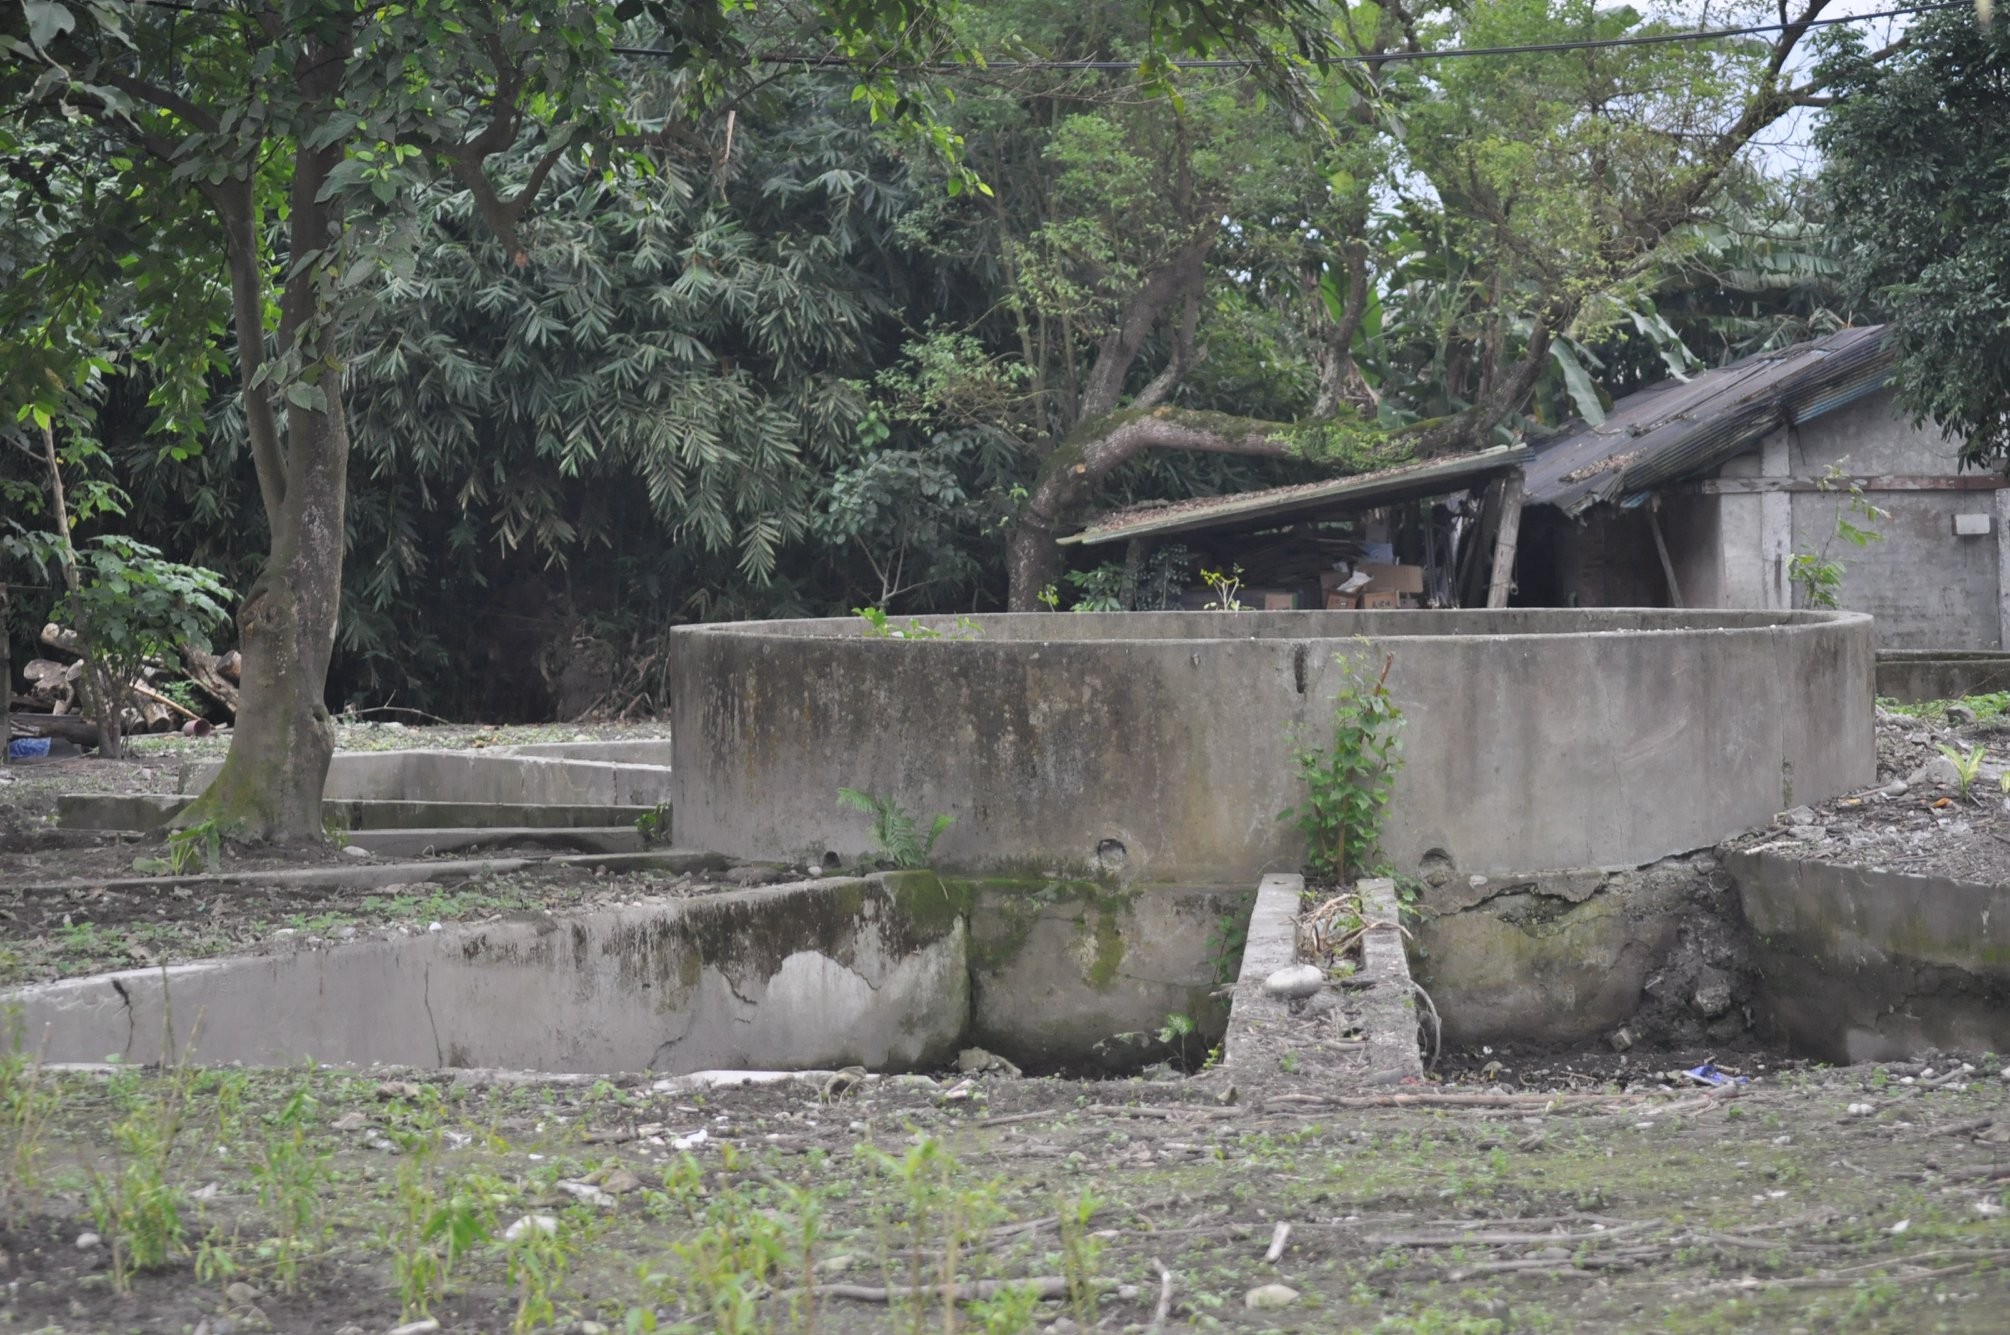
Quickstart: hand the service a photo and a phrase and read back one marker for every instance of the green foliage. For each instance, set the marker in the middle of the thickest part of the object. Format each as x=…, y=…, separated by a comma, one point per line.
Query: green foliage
x=1966, y=766
x=1347, y=784
x=654, y=824
x=437, y=1222
x=202, y=841
x=1916, y=174
x=1818, y=573
x=290, y=1172
x=894, y=833
x=27, y=1103
x=878, y=626
x=1224, y=586
x=536, y=1264
x=139, y=1203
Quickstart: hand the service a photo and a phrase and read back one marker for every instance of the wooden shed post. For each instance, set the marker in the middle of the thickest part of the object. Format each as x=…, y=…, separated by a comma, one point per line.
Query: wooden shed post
x=1505, y=541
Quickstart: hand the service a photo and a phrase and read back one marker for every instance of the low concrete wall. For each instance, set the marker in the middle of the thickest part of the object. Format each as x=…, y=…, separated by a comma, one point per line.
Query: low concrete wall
x=825, y=974
x=1068, y=974
x=1928, y=674
x=1863, y=965
x=1660, y=951
x=475, y=776
x=150, y=811
x=1159, y=744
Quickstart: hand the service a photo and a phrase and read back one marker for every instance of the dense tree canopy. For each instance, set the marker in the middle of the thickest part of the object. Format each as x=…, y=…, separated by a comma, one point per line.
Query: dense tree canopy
x=623, y=340
x=1917, y=174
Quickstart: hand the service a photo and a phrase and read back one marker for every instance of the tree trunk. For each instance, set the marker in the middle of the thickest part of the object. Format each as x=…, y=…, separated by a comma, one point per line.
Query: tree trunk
x=271, y=783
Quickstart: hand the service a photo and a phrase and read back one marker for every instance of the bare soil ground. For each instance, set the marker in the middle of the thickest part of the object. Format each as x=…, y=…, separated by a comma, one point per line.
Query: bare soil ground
x=1920, y=817
x=1820, y=1200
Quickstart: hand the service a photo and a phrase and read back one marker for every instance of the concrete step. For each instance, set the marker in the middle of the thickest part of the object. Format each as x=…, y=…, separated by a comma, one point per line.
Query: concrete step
x=421, y=843
x=489, y=777
x=370, y=873
x=150, y=811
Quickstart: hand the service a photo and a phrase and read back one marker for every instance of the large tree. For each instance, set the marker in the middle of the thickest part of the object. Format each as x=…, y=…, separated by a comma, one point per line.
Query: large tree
x=1498, y=212
x=1916, y=172
x=293, y=134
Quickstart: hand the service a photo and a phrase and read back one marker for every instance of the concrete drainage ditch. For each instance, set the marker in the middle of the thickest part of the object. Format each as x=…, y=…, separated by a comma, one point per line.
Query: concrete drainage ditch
x=896, y=971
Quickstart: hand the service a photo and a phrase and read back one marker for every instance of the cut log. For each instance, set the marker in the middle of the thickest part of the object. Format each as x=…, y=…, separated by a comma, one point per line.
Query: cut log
x=212, y=676
x=69, y=727
x=231, y=665
x=56, y=637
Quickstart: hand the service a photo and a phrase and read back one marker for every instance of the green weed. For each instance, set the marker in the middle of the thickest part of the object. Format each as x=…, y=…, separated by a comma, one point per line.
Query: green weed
x=1347, y=785
x=894, y=833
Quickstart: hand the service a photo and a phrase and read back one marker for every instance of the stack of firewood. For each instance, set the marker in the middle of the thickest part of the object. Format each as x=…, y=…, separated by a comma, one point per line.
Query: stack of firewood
x=51, y=706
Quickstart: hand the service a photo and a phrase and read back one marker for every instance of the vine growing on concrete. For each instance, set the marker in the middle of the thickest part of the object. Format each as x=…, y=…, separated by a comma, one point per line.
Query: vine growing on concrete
x=1347, y=784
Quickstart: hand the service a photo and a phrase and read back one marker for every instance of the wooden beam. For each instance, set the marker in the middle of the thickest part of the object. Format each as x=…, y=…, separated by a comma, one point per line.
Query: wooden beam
x=1746, y=486
x=1661, y=546
x=1506, y=541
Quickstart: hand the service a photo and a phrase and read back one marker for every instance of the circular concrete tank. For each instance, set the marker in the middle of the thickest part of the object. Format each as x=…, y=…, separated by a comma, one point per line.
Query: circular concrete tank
x=1158, y=745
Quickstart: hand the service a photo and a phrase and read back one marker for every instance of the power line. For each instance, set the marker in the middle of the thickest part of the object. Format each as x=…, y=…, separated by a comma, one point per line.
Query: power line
x=1389, y=57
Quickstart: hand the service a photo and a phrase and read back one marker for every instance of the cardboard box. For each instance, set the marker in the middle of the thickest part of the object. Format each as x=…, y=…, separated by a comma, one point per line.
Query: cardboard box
x=1392, y=578
x=1411, y=600
x=1274, y=600
x=1374, y=599
x=1342, y=602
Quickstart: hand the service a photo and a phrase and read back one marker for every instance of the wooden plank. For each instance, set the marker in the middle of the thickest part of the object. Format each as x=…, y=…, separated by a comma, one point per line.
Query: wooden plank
x=1746, y=486
x=1661, y=546
x=1506, y=541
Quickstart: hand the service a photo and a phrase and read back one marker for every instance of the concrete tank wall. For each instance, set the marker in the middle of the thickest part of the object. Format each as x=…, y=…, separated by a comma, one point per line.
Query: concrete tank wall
x=1158, y=745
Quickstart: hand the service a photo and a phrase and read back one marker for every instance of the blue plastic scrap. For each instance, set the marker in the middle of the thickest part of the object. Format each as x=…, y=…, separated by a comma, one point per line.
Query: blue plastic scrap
x=1708, y=1074
x=28, y=748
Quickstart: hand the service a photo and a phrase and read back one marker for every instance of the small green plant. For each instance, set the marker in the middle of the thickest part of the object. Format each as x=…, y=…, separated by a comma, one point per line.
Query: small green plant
x=434, y=1227
x=1177, y=1029
x=894, y=833
x=203, y=840
x=290, y=1173
x=139, y=1203
x=1817, y=573
x=879, y=626
x=1081, y=1253
x=537, y=1261
x=1050, y=598
x=654, y=824
x=1967, y=768
x=1225, y=587
x=27, y=1103
x=1347, y=784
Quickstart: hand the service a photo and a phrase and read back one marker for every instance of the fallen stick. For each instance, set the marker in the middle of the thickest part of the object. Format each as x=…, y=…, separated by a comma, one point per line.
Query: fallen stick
x=1285, y=1102
x=1043, y=1287
x=1510, y=1267
x=1164, y=1309
x=149, y=693
x=1278, y=1237
x=1500, y=1239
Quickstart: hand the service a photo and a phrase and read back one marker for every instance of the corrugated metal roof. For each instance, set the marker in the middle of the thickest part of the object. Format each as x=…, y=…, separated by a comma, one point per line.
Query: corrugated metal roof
x=1678, y=429
x=1248, y=509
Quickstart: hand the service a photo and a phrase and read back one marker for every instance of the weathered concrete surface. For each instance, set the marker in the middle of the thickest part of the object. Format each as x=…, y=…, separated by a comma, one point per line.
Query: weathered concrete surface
x=1270, y=1048
x=434, y=843
x=1863, y=965
x=625, y=751
x=476, y=776
x=150, y=811
x=1068, y=972
x=821, y=974
x=1573, y=956
x=367, y=875
x=1931, y=674
x=1161, y=741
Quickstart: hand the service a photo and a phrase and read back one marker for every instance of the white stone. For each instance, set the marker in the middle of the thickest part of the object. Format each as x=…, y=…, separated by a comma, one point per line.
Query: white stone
x=356, y=851
x=543, y=1223
x=88, y=1241
x=1295, y=981
x=1270, y=1295
x=1861, y=1110
x=588, y=1193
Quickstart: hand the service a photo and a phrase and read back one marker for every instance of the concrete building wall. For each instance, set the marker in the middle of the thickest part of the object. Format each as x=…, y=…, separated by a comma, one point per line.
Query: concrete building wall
x=1927, y=587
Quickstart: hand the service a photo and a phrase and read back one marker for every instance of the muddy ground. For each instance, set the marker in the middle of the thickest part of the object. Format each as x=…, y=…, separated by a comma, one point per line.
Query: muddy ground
x=1858, y=1200
x=1517, y=1191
